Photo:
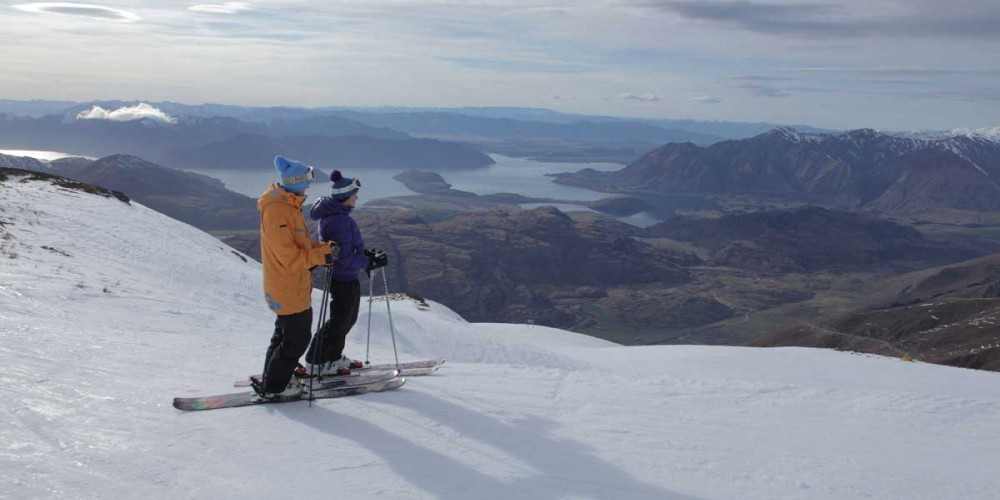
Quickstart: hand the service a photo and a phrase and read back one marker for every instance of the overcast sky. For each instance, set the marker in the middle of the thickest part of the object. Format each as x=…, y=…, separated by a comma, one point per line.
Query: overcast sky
x=897, y=65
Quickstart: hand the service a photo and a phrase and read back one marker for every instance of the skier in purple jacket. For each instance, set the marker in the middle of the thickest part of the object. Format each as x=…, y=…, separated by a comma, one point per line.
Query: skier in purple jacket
x=335, y=224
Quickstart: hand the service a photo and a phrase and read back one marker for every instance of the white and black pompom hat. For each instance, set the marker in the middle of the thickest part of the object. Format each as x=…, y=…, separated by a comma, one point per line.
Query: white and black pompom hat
x=343, y=187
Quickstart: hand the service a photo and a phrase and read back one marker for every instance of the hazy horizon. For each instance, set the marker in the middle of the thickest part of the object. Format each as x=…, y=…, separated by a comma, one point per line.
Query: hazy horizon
x=883, y=64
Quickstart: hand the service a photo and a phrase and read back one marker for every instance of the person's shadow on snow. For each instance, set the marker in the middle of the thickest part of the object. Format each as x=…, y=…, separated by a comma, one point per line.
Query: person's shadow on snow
x=556, y=467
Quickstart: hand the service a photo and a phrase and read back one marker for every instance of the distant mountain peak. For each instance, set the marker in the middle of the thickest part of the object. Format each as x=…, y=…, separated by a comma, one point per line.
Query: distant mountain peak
x=987, y=133
x=991, y=134
x=789, y=134
x=862, y=133
x=124, y=161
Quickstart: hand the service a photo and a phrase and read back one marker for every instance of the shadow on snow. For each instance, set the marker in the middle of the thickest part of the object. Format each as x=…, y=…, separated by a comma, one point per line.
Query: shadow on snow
x=557, y=467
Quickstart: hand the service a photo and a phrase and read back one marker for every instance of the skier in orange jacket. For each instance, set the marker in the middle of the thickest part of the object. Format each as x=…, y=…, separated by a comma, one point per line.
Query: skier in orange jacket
x=288, y=254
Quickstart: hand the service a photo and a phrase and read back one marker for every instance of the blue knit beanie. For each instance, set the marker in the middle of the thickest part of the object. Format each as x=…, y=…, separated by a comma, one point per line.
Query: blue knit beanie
x=343, y=187
x=295, y=176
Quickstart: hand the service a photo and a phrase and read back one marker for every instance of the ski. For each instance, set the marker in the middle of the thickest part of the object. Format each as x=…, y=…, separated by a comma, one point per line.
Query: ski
x=353, y=387
x=353, y=379
x=410, y=369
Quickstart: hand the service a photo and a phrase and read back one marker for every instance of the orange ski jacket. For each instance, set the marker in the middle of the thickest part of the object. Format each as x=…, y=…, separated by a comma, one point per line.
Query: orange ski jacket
x=287, y=252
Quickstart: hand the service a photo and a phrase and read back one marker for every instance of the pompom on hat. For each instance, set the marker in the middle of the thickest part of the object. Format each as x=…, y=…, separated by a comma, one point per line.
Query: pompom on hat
x=343, y=187
x=295, y=176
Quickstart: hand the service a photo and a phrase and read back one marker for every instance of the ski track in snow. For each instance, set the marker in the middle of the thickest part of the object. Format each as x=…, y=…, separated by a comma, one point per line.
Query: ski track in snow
x=138, y=308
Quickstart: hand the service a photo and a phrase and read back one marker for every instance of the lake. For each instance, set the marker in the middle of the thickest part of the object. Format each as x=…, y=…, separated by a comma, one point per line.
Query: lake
x=507, y=175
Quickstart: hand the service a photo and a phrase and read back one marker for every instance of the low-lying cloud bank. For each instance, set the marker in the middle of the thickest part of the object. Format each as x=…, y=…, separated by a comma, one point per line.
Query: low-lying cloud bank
x=126, y=114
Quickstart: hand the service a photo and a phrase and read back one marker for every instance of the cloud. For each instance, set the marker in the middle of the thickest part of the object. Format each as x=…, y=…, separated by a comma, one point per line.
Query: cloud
x=966, y=94
x=80, y=10
x=518, y=53
x=126, y=114
x=704, y=99
x=550, y=11
x=769, y=18
x=765, y=91
x=884, y=70
x=771, y=92
x=969, y=19
x=759, y=78
x=223, y=8
x=640, y=97
x=524, y=64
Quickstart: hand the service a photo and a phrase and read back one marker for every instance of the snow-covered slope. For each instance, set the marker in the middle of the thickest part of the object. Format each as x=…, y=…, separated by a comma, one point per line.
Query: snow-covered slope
x=108, y=310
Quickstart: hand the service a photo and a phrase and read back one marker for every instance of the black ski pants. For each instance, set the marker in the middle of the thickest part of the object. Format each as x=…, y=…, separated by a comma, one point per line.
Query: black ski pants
x=345, y=298
x=290, y=340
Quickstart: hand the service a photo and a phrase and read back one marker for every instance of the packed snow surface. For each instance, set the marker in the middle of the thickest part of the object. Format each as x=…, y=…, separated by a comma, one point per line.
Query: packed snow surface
x=109, y=310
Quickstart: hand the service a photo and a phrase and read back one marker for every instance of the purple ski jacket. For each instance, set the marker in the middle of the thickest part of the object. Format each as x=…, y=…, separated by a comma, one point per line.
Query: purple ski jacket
x=336, y=224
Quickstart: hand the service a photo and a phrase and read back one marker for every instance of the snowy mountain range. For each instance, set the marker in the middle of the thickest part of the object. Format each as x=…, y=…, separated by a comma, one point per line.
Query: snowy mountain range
x=860, y=169
x=989, y=133
x=225, y=142
x=108, y=309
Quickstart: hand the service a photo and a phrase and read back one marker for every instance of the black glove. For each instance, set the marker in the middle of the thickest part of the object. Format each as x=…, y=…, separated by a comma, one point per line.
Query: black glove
x=332, y=256
x=376, y=259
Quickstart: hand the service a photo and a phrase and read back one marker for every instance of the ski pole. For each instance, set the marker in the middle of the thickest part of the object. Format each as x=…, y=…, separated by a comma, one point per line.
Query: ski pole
x=371, y=291
x=388, y=310
x=319, y=331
